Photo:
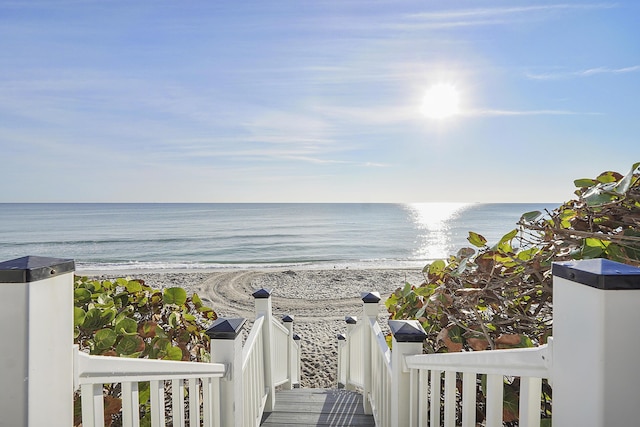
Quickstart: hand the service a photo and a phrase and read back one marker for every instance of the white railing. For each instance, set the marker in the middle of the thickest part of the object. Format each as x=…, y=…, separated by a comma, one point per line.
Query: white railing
x=253, y=375
x=92, y=372
x=380, y=392
x=531, y=365
x=43, y=369
x=590, y=362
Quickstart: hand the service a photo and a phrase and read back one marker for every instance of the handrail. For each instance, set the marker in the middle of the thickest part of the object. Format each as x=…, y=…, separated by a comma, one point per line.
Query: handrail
x=525, y=362
x=251, y=341
x=92, y=369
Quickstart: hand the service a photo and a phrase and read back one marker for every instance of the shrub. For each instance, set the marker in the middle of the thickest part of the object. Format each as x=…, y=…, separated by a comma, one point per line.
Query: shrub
x=126, y=318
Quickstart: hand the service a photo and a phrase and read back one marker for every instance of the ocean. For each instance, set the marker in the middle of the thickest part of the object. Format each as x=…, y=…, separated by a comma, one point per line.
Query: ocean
x=112, y=237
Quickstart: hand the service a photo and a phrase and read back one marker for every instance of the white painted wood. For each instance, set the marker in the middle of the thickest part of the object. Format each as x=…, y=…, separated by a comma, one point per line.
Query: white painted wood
x=495, y=393
x=400, y=382
x=36, y=324
x=102, y=369
x=469, y=399
x=263, y=308
x=92, y=405
x=130, y=404
x=370, y=317
x=215, y=402
x=531, y=362
x=605, y=322
x=157, y=403
x=450, y=399
x=356, y=341
x=423, y=397
x=230, y=353
x=207, y=397
x=530, y=400
x=434, y=397
x=381, y=395
x=194, y=402
x=177, y=402
x=281, y=351
x=291, y=353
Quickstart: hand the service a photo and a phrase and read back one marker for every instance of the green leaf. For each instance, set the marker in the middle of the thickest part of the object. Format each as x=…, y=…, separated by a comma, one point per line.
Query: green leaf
x=133, y=286
x=173, y=353
x=504, y=244
x=593, y=248
x=196, y=300
x=93, y=320
x=176, y=296
x=104, y=338
x=127, y=326
x=129, y=344
x=105, y=300
x=437, y=267
x=78, y=316
x=607, y=177
x=173, y=319
x=107, y=315
x=476, y=239
x=81, y=295
x=585, y=182
x=530, y=216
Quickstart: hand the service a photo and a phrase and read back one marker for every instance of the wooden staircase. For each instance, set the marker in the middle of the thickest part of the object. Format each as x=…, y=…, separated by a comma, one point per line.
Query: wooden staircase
x=317, y=407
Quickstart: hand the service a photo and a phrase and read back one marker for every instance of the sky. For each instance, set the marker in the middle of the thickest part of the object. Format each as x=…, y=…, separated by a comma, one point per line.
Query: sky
x=314, y=101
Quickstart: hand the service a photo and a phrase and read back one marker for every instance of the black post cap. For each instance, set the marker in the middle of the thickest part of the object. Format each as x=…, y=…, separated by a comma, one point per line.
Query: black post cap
x=599, y=273
x=226, y=329
x=370, y=297
x=351, y=320
x=262, y=293
x=287, y=318
x=407, y=330
x=342, y=337
x=34, y=268
x=296, y=337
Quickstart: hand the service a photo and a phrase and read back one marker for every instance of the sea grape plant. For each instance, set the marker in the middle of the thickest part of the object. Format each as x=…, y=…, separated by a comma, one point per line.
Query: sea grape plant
x=126, y=318
x=500, y=296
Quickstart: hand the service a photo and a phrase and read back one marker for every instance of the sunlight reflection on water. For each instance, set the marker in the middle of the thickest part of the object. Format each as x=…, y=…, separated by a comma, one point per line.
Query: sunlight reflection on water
x=433, y=220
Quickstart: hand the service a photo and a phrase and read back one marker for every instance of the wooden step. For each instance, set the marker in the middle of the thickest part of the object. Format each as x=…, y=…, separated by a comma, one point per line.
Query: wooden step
x=317, y=407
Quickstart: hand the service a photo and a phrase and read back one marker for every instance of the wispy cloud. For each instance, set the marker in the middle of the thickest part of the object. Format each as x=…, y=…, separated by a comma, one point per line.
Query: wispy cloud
x=583, y=73
x=493, y=16
x=498, y=113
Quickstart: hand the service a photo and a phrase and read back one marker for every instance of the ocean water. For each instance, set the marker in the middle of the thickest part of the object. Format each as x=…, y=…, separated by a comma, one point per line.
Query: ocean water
x=108, y=237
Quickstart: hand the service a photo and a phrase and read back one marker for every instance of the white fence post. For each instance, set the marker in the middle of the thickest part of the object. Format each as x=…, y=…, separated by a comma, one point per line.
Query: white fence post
x=596, y=313
x=287, y=320
x=298, y=367
x=408, y=336
x=370, y=309
x=36, y=325
x=262, y=299
x=351, y=321
x=226, y=347
x=342, y=377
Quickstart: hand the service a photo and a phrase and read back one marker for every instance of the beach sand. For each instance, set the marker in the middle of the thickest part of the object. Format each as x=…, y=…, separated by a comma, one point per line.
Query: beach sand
x=318, y=300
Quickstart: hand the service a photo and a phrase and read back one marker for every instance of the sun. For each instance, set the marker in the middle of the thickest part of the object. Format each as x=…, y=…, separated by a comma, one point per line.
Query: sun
x=441, y=101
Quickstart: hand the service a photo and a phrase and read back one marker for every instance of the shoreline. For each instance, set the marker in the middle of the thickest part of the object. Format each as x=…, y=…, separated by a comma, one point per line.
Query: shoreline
x=318, y=299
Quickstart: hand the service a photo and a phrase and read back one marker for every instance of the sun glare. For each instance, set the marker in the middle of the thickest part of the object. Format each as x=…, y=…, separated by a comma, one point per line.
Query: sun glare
x=441, y=101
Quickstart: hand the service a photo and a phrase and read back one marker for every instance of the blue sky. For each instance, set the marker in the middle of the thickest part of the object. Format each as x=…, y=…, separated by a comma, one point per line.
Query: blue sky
x=285, y=101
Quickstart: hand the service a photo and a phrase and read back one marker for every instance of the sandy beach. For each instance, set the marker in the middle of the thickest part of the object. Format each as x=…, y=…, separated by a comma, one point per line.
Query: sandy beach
x=318, y=300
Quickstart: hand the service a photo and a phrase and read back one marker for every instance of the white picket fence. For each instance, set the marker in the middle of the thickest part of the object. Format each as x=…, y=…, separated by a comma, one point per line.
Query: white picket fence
x=41, y=368
x=590, y=362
